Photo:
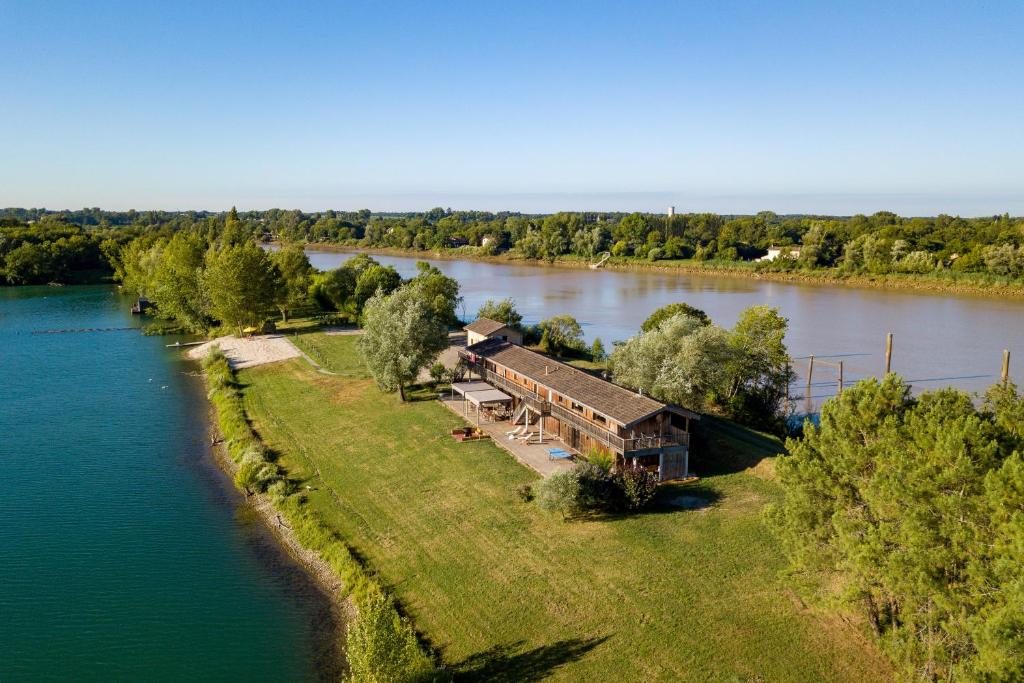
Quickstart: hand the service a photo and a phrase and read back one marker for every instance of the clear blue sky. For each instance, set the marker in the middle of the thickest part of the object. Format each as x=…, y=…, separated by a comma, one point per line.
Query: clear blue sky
x=729, y=107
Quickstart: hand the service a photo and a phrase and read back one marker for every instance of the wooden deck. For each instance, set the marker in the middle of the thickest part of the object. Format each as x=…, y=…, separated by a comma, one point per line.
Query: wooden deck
x=533, y=455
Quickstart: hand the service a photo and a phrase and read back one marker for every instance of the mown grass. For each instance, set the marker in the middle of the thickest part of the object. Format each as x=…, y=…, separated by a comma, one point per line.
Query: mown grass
x=338, y=357
x=258, y=473
x=508, y=592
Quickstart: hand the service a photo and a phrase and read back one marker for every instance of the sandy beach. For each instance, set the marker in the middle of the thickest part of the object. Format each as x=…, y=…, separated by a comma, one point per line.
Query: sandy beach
x=249, y=351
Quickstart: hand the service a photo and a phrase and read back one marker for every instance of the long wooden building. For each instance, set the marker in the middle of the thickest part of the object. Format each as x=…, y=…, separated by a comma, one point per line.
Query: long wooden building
x=585, y=411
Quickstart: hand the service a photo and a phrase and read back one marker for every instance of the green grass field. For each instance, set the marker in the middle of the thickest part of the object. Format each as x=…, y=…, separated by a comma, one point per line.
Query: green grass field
x=507, y=592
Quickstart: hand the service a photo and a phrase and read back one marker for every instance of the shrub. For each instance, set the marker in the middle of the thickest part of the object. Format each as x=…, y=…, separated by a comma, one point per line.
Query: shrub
x=437, y=373
x=598, y=489
x=638, y=486
x=382, y=647
x=386, y=648
x=560, y=493
x=525, y=493
x=600, y=457
x=279, y=490
x=592, y=487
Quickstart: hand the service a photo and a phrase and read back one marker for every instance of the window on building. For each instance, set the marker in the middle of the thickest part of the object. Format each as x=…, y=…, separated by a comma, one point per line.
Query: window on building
x=599, y=419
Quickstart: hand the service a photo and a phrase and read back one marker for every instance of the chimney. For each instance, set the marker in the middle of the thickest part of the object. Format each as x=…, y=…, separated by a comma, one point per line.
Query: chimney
x=640, y=391
x=545, y=371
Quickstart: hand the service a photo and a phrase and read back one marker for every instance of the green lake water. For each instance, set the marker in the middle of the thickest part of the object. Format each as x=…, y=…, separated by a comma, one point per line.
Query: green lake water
x=125, y=555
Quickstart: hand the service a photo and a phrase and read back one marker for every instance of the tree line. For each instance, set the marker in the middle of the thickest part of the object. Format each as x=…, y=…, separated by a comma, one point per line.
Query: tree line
x=51, y=251
x=199, y=282
x=909, y=513
x=991, y=246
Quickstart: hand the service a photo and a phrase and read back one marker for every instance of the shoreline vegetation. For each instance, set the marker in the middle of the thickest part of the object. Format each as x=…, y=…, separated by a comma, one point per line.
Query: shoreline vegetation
x=950, y=254
x=945, y=283
x=357, y=595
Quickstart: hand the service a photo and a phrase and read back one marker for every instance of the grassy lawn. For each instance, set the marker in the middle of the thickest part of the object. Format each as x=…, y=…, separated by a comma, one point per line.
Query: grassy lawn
x=508, y=592
x=336, y=353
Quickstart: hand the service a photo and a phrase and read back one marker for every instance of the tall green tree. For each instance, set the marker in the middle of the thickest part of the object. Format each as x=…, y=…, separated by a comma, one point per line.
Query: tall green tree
x=401, y=336
x=178, y=289
x=760, y=372
x=296, y=276
x=503, y=311
x=911, y=511
x=440, y=292
x=243, y=285
x=28, y=263
x=685, y=359
x=681, y=361
x=381, y=647
x=335, y=290
x=556, y=232
x=234, y=231
x=140, y=259
x=372, y=279
x=665, y=312
x=560, y=334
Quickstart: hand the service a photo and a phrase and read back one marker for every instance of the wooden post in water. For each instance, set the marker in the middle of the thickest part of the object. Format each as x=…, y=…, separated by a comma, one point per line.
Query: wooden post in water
x=888, y=352
x=789, y=378
x=1006, y=367
x=810, y=372
x=840, y=378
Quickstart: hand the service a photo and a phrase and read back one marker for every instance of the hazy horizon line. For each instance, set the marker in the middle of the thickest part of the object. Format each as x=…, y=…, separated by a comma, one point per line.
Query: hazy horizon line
x=905, y=204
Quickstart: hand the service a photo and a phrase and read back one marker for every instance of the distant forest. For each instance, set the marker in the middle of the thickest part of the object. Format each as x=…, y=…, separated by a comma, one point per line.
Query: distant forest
x=40, y=246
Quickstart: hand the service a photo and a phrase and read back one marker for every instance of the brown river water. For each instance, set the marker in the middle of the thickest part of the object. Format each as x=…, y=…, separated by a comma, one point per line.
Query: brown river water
x=939, y=339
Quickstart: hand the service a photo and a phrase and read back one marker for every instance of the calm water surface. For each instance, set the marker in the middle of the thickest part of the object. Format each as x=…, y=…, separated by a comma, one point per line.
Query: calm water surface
x=123, y=554
x=940, y=339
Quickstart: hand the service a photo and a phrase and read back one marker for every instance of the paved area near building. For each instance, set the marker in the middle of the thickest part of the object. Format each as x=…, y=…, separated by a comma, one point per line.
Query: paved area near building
x=449, y=357
x=531, y=454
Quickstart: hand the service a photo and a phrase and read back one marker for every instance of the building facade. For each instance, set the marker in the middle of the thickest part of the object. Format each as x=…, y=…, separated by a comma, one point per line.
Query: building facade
x=482, y=329
x=585, y=411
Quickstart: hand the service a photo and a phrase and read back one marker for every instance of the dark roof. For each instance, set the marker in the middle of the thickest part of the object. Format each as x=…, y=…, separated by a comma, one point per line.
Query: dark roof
x=620, y=404
x=484, y=326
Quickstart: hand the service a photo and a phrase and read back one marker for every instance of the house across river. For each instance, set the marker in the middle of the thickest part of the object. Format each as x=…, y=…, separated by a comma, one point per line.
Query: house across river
x=585, y=411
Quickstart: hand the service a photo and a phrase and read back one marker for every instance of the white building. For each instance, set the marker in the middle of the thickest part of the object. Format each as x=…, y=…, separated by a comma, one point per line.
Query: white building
x=485, y=328
x=781, y=252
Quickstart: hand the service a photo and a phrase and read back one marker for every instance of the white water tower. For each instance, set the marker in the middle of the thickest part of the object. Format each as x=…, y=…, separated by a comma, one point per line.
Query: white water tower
x=671, y=211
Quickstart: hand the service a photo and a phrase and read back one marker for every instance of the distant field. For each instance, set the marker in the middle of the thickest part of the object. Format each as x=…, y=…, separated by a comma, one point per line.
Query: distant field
x=508, y=592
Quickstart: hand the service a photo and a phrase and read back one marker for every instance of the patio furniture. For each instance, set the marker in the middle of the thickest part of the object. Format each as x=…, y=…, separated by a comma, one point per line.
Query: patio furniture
x=558, y=454
x=468, y=434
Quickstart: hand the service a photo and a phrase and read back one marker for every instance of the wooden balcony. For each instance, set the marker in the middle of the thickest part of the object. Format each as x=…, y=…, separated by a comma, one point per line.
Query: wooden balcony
x=616, y=443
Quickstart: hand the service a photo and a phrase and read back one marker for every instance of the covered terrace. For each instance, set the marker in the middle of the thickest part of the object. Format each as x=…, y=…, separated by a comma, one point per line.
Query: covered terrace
x=495, y=404
x=521, y=434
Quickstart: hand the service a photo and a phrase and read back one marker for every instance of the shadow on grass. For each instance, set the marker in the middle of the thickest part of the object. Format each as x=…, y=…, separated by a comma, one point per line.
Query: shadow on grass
x=724, y=447
x=676, y=497
x=511, y=663
x=670, y=498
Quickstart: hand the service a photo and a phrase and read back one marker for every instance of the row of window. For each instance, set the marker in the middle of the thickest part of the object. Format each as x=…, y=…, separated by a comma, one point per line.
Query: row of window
x=557, y=398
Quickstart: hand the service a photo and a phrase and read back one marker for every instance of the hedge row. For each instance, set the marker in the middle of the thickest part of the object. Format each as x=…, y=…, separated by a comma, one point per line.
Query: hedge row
x=381, y=645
